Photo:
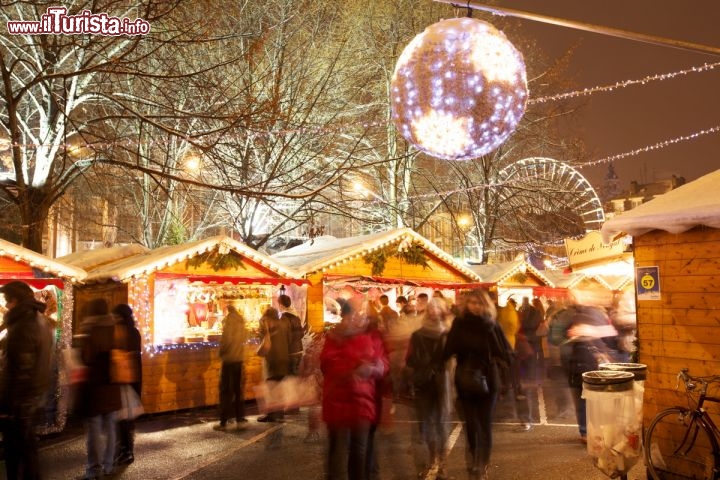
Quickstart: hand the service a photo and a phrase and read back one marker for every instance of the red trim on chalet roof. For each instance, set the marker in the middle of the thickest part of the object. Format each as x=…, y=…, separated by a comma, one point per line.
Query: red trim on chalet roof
x=36, y=283
x=436, y=284
x=220, y=279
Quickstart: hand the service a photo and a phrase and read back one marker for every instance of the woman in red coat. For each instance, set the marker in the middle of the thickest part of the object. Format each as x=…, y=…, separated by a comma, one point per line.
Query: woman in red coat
x=351, y=363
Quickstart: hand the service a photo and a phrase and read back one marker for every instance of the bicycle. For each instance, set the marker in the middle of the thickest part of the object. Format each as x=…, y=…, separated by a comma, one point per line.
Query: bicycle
x=682, y=442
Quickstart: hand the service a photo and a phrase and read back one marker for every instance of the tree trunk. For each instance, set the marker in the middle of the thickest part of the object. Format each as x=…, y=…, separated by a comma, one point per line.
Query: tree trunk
x=34, y=206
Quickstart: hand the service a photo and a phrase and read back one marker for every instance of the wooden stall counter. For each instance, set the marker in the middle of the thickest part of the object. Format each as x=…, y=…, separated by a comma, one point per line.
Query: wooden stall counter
x=185, y=377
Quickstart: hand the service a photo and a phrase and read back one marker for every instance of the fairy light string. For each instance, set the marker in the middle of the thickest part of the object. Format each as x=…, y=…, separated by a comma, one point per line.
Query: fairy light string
x=5, y=145
x=625, y=83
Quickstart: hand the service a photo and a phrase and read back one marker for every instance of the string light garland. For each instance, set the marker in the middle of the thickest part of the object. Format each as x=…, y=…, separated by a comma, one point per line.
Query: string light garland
x=459, y=89
x=4, y=144
x=649, y=148
x=342, y=128
x=65, y=299
x=608, y=159
x=623, y=84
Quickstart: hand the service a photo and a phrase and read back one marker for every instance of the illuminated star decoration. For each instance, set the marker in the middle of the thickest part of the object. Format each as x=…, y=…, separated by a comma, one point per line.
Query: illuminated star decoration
x=459, y=89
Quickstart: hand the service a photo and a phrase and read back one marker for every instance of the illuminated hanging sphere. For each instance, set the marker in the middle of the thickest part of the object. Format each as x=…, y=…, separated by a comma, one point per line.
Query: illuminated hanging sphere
x=459, y=89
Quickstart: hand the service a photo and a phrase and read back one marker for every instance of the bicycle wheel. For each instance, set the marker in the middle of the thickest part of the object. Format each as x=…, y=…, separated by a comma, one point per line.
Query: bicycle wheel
x=679, y=447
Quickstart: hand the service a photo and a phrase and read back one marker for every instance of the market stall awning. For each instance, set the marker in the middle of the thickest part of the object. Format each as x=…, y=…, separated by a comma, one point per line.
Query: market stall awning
x=550, y=292
x=326, y=253
x=168, y=257
x=36, y=283
x=501, y=273
x=387, y=281
x=221, y=279
x=17, y=261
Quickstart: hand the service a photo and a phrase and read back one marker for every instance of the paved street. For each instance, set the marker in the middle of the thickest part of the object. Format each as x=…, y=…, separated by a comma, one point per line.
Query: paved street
x=184, y=446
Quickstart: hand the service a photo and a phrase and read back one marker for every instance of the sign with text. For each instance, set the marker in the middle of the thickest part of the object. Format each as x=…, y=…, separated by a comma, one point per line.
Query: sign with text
x=591, y=249
x=647, y=283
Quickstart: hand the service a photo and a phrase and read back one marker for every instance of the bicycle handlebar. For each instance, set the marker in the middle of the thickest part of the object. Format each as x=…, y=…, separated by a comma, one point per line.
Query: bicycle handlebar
x=691, y=382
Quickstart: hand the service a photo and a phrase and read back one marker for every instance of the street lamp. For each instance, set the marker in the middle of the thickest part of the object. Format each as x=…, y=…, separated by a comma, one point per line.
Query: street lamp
x=463, y=223
x=362, y=189
x=192, y=164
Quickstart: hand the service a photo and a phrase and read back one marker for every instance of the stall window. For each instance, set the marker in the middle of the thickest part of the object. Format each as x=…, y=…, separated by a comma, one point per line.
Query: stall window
x=188, y=312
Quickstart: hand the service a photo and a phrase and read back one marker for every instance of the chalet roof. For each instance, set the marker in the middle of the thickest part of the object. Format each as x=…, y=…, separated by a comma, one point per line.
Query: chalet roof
x=693, y=204
x=499, y=272
x=613, y=282
x=327, y=251
x=163, y=257
x=92, y=259
x=563, y=279
x=41, y=262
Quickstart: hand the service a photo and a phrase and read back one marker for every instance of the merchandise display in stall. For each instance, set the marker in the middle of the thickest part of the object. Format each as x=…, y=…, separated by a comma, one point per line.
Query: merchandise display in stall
x=191, y=312
x=179, y=295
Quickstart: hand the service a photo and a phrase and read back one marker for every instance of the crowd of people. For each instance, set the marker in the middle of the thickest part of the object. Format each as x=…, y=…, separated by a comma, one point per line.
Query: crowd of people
x=445, y=357
x=28, y=365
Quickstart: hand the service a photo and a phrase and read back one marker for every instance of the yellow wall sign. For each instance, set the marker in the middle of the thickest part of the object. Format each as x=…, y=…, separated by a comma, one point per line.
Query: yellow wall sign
x=647, y=283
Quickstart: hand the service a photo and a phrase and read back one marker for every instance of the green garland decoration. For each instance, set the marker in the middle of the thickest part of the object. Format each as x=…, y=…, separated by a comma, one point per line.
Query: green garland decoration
x=413, y=255
x=216, y=260
x=377, y=259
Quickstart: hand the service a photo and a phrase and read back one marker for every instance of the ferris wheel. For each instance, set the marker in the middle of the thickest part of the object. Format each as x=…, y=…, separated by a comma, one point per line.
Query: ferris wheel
x=545, y=198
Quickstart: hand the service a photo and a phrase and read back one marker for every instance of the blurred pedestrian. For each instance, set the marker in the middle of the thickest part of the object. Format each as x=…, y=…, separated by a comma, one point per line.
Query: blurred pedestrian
x=512, y=388
x=101, y=401
x=585, y=336
x=126, y=426
x=478, y=344
x=311, y=372
x=382, y=386
x=277, y=357
x=387, y=314
x=351, y=365
x=232, y=355
x=26, y=378
x=421, y=306
x=428, y=375
x=540, y=337
x=397, y=339
x=530, y=319
x=289, y=315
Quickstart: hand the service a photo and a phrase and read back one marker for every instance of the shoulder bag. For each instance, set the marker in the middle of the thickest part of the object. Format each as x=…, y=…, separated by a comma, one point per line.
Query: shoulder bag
x=124, y=366
x=470, y=377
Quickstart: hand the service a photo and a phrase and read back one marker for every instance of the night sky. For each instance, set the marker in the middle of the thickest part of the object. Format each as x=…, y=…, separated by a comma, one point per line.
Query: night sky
x=635, y=117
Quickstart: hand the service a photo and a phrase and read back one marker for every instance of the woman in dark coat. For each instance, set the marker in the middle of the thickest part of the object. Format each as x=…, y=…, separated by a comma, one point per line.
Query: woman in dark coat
x=25, y=377
x=101, y=398
x=277, y=358
x=428, y=377
x=478, y=344
x=126, y=427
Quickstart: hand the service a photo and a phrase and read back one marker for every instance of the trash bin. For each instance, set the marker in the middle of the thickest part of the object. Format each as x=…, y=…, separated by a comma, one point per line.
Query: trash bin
x=639, y=370
x=613, y=423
